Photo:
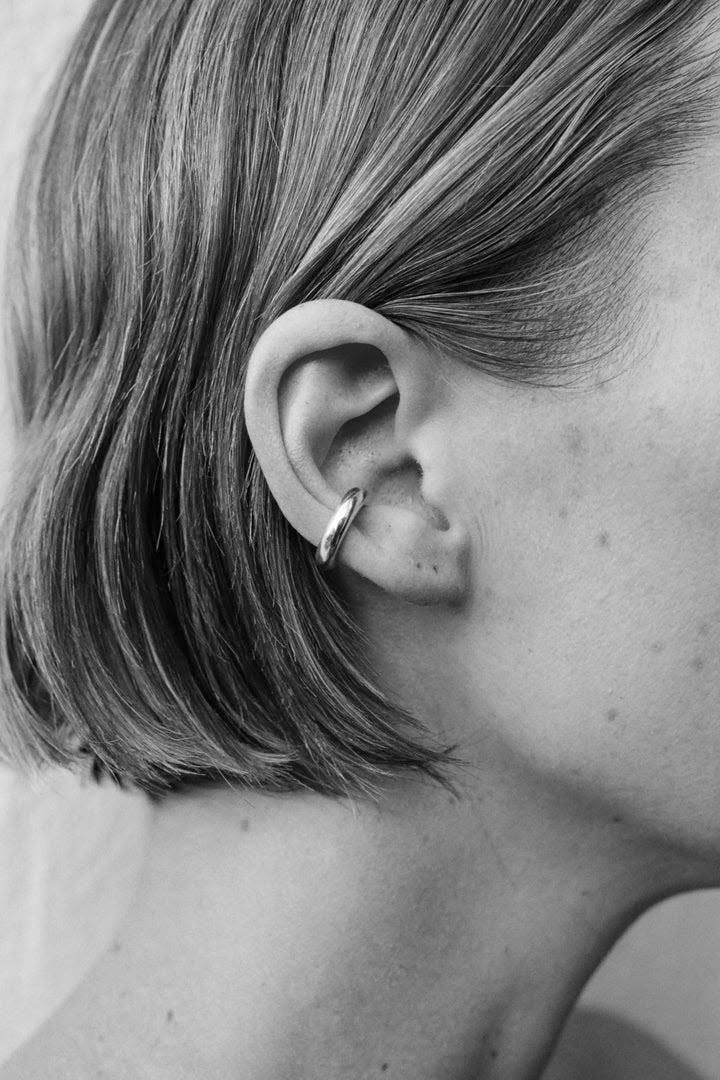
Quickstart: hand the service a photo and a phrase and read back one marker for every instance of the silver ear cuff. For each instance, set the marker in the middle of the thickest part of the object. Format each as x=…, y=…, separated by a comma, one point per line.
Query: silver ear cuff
x=337, y=527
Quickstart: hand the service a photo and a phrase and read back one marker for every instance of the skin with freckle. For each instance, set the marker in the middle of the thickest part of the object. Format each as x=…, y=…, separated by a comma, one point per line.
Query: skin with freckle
x=640, y=461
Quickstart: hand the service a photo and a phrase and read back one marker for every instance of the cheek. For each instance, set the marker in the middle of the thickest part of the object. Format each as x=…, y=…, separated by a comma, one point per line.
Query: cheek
x=607, y=614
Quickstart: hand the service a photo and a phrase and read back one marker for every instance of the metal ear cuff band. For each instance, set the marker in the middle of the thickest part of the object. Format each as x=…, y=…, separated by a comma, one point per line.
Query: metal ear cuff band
x=337, y=527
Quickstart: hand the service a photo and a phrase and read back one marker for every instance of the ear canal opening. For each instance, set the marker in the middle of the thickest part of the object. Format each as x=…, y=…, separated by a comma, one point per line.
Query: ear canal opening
x=401, y=485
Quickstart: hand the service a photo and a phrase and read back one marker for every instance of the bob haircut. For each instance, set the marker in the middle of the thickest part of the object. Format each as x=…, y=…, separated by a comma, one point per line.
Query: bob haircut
x=201, y=167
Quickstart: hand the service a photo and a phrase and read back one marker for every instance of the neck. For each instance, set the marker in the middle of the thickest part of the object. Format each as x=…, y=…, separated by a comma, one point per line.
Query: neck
x=429, y=936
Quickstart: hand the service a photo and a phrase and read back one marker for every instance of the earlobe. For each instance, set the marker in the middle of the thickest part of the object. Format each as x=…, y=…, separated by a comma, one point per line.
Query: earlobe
x=400, y=553
x=336, y=398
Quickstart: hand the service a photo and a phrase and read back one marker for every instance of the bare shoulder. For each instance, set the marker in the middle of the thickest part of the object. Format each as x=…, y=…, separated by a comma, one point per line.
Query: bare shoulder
x=594, y=1046
x=598, y=1045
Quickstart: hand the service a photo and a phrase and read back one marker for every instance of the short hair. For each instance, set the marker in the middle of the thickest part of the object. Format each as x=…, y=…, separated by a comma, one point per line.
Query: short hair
x=200, y=168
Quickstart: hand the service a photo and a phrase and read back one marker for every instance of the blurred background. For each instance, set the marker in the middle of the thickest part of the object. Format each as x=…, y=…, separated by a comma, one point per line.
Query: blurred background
x=70, y=854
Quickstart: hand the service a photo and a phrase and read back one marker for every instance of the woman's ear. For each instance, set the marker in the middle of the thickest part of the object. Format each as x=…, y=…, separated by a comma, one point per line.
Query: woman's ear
x=337, y=397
